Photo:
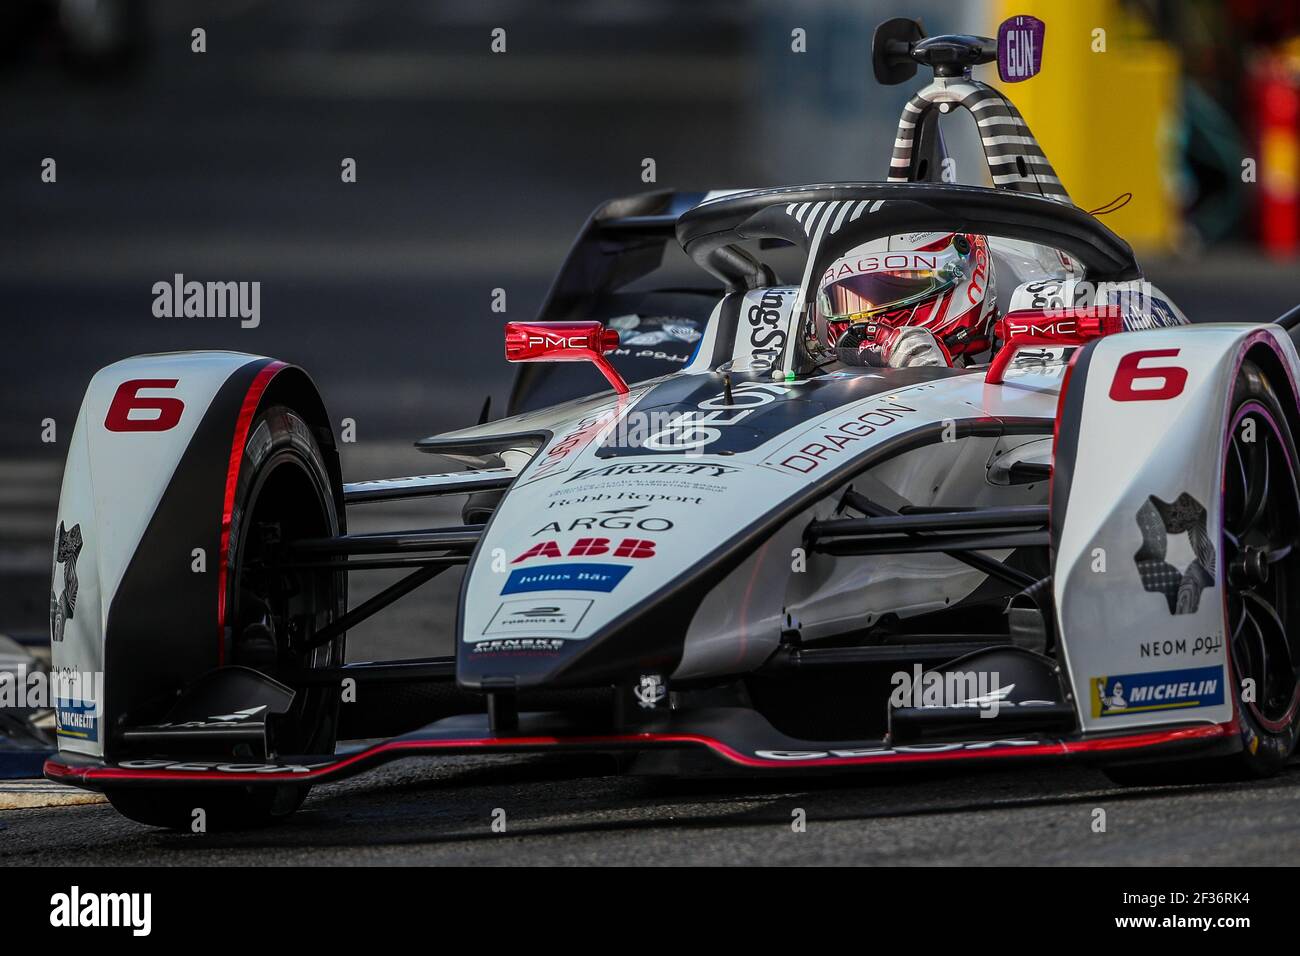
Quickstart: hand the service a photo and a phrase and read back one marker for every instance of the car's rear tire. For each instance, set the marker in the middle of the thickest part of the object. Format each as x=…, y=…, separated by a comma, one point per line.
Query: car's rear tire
x=1260, y=554
x=284, y=492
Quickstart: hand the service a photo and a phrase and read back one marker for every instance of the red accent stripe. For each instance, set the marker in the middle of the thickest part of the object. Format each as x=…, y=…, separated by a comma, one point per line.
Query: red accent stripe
x=246, y=412
x=1058, y=748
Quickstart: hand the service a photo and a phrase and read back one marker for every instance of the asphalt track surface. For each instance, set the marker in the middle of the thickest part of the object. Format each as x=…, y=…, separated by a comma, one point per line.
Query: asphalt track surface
x=372, y=291
x=560, y=810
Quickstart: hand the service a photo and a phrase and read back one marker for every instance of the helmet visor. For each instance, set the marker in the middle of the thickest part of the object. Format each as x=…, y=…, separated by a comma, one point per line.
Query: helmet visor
x=855, y=297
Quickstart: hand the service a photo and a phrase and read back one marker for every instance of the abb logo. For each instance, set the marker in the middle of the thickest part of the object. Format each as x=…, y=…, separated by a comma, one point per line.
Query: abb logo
x=1169, y=380
x=127, y=399
x=587, y=547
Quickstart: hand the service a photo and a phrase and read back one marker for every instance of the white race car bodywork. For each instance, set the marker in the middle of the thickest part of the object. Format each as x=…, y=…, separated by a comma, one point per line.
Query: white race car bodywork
x=112, y=484
x=1129, y=451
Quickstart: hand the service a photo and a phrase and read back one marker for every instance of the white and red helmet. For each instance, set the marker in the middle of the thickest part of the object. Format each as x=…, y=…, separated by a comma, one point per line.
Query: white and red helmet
x=939, y=281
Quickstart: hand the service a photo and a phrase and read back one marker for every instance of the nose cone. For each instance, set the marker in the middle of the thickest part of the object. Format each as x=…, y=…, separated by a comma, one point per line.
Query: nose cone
x=575, y=555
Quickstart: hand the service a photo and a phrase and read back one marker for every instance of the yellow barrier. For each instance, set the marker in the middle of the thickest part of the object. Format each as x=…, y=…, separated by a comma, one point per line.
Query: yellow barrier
x=1105, y=109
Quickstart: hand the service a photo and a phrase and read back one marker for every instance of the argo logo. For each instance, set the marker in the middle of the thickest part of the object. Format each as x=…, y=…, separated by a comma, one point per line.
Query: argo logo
x=616, y=519
x=590, y=547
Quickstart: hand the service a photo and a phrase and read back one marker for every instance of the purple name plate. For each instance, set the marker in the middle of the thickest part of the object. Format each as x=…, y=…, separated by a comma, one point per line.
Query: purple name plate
x=1020, y=48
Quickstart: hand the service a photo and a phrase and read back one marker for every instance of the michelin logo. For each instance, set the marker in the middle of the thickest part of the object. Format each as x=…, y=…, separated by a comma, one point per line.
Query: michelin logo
x=1157, y=690
x=78, y=719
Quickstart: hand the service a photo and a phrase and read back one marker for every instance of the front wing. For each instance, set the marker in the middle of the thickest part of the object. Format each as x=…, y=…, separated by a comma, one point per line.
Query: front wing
x=731, y=739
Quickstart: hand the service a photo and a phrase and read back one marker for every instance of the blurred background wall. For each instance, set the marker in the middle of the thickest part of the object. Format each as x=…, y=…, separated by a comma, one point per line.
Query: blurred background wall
x=475, y=169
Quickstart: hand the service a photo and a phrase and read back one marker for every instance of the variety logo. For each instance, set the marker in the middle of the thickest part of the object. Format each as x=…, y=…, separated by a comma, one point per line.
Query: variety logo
x=1157, y=690
x=691, y=469
x=566, y=577
x=590, y=548
x=557, y=615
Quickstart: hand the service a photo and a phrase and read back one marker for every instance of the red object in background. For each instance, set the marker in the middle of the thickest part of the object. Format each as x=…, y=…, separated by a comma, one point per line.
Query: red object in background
x=564, y=342
x=1277, y=91
x=1056, y=328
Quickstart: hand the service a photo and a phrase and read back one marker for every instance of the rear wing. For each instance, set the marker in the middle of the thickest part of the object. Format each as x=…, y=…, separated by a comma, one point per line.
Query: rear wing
x=623, y=240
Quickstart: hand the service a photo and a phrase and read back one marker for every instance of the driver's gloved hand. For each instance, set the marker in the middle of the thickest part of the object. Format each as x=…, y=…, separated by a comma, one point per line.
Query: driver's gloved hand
x=908, y=346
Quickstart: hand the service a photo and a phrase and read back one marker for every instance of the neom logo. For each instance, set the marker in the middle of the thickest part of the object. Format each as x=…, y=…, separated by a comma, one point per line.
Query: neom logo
x=75, y=909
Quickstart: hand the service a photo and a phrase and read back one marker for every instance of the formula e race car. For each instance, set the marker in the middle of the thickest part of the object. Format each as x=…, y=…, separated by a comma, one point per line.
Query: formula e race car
x=960, y=485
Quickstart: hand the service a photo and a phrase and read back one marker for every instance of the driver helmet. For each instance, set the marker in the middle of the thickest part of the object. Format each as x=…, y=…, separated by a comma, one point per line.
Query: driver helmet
x=942, y=282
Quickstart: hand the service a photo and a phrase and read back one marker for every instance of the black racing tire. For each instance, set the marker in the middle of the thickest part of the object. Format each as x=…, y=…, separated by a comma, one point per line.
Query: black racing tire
x=284, y=492
x=1260, y=552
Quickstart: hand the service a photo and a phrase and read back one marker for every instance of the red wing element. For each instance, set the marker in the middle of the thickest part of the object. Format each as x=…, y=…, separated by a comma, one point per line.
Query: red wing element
x=1056, y=328
x=564, y=342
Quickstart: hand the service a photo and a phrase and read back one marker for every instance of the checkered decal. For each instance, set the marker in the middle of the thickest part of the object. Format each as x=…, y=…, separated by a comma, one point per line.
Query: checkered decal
x=1007, y=141
x=1157, y=520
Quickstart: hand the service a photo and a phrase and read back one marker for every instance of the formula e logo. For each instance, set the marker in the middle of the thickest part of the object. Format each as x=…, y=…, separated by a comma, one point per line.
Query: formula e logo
x=558, y=615
x=590, y=547
x=63, y=605
x=1159, y=521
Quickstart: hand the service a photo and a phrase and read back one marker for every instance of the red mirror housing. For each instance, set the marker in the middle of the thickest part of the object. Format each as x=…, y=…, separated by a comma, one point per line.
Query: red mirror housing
x=1030, y=327
x=564, y=342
